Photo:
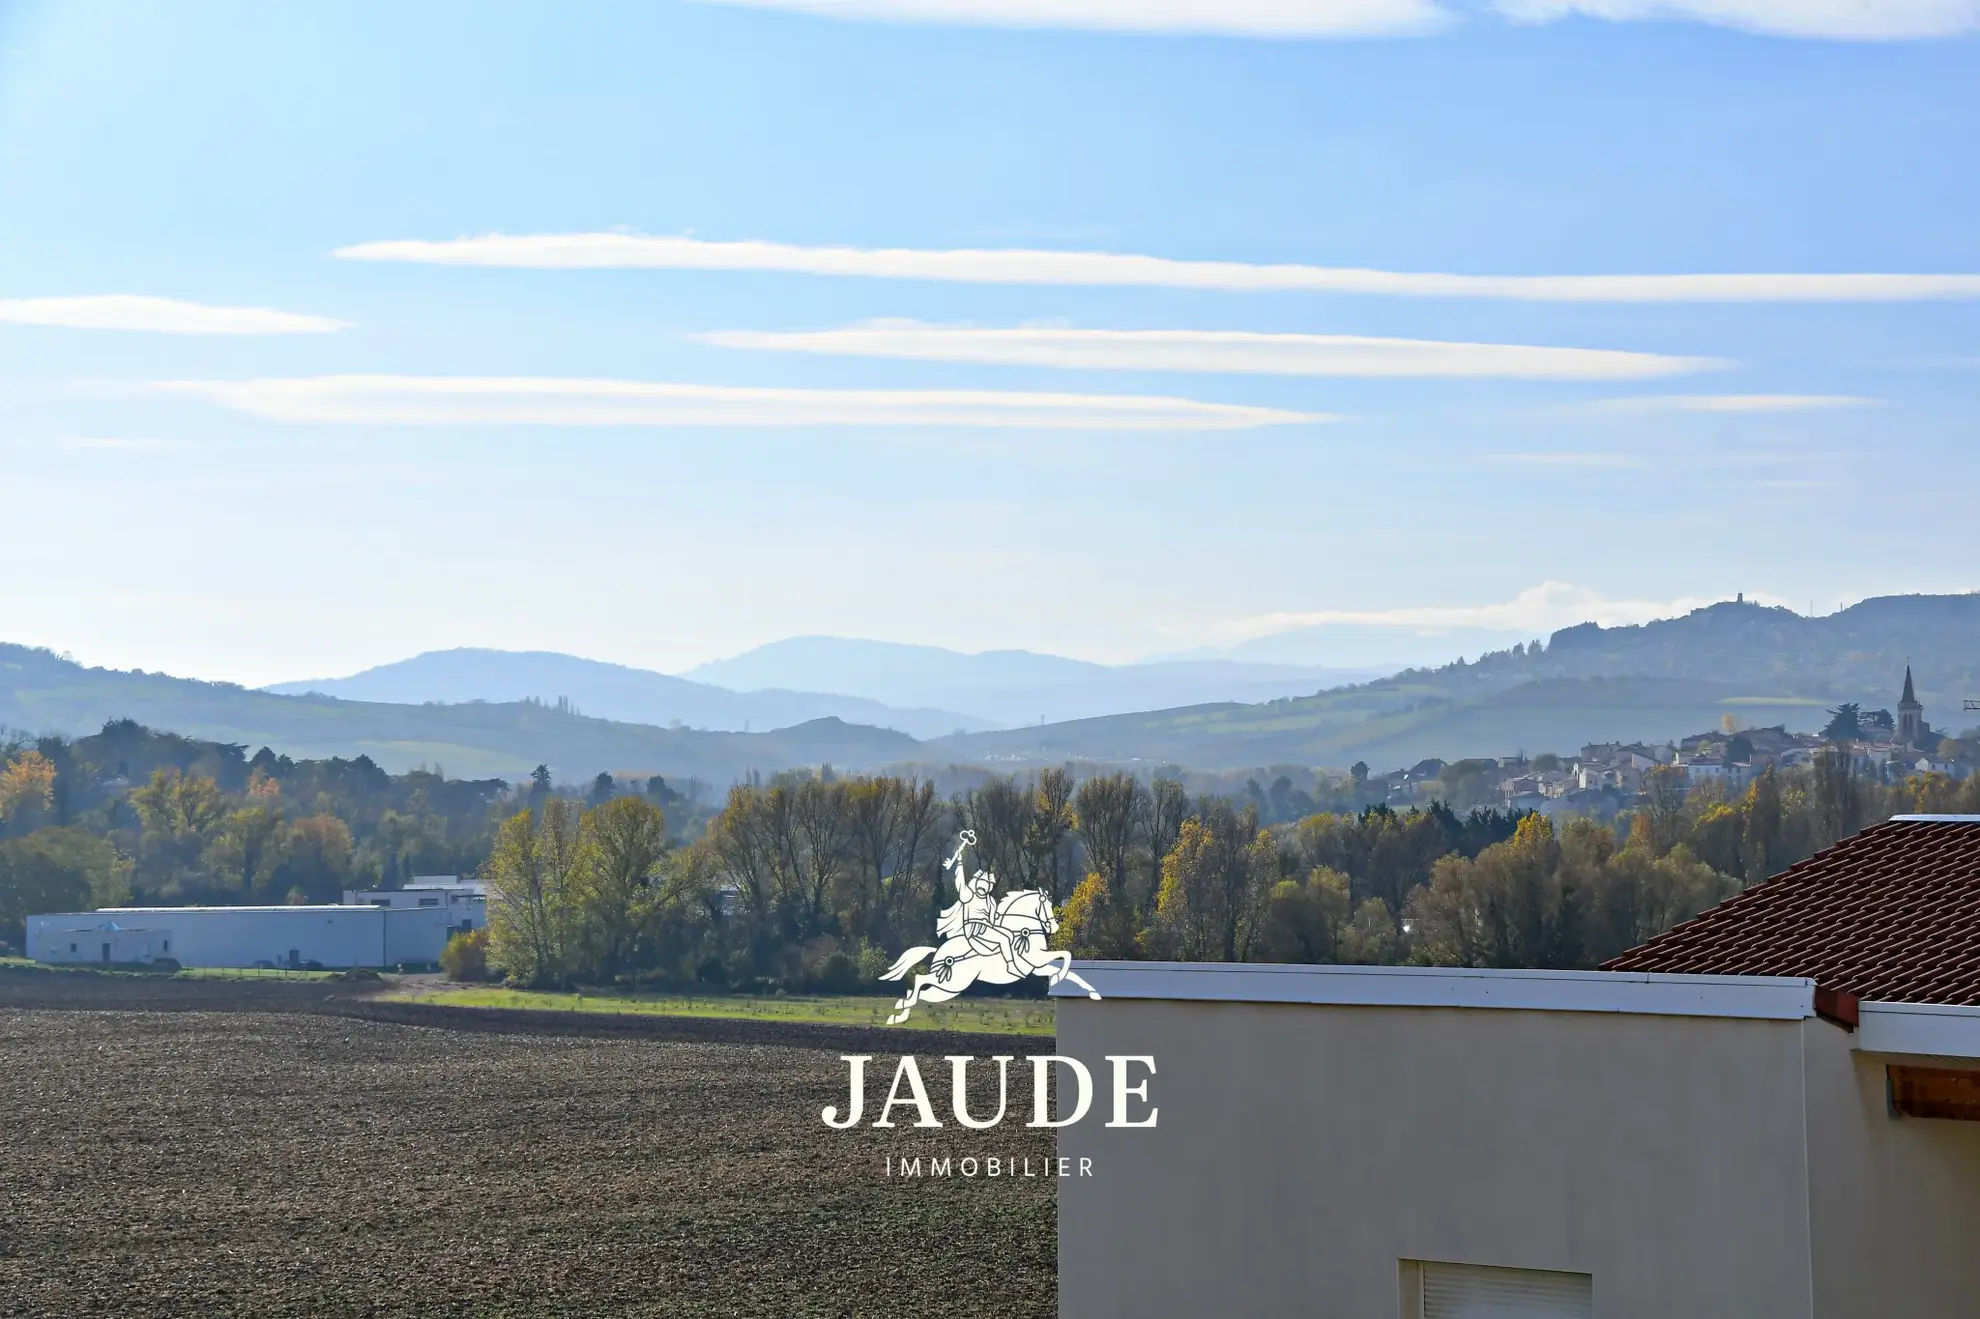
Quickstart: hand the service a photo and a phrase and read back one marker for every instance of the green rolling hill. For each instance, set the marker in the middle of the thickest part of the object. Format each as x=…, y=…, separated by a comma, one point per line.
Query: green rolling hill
x=1586, y=684
x=43, y=693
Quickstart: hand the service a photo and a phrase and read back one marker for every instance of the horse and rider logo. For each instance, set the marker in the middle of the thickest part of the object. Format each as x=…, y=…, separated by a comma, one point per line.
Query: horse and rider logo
x=998, y=941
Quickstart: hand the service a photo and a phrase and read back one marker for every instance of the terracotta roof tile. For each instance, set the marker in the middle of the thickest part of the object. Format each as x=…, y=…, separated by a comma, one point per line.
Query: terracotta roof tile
x=1889, y=915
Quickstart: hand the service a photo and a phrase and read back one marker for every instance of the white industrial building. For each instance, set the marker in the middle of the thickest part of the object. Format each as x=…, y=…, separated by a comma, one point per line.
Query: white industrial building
x=376, y=929
x=463, y=896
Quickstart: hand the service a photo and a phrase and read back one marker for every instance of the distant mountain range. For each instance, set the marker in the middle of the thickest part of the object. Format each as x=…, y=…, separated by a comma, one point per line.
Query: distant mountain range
x=1658, y=680
x=43, y=693
x=614, y=691
x=1009, y=688
x=1587, y=684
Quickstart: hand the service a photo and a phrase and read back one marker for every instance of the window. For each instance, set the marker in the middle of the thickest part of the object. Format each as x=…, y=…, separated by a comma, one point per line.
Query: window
x=168, y=945
x=1933, y=1092
x=429, y=902
x=72, y=948
x=1471, y=1291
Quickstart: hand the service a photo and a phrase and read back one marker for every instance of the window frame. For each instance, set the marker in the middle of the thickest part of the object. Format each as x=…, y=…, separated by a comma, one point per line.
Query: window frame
x=1410, y=1280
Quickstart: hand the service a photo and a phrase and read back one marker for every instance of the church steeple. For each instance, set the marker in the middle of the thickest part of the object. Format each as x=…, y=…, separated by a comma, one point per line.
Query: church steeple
x=1911, y=715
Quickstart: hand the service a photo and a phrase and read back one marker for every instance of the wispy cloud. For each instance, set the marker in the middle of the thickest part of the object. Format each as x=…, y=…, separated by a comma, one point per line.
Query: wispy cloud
x=1534, y=611
x=536, y=401
x=622, y=251
x=1732, y=403
x=1599, y=461
x=1253, y=18
x=1217, y=351
x=1837, y=20
x=123, y=443
x=126, y=311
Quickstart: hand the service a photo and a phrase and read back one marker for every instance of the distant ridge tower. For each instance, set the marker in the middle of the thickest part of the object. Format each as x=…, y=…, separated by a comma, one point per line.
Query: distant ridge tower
x=1911, y=715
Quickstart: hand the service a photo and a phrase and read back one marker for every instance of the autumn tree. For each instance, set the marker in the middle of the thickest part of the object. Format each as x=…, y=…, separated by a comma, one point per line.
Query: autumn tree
x=57, y=869
x=532, y=892
x=1508, y=907
x=181, y=814
x=1110, y=814
x=1718, y=838
x=1306, y=920
x=1213, y=884
x=313, y=857
x=617, y=883
x=245, y=848
x=1762, y=833
x=743, y=851
x=1168, y=807
x=27, y=784
x=1384, y=854
x=1638, y=895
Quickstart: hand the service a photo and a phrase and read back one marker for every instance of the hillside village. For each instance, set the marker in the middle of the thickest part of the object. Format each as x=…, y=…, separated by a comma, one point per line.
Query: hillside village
x=1605, y=778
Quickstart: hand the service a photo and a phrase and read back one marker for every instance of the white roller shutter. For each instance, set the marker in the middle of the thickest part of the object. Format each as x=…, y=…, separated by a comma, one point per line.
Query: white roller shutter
x=1468, y=1291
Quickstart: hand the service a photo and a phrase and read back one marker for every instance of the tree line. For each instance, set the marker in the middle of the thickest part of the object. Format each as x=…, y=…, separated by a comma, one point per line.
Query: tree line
x=814, y=881
x=130, y=815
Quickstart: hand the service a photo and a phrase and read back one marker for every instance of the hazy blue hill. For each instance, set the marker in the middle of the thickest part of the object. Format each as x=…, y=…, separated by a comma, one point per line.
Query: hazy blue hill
x=1588, y=684
x=1396, y=724
x=1858, y=653
x=40, y=692
x=1009, y=687
x=1659, y=680
x=614, y=691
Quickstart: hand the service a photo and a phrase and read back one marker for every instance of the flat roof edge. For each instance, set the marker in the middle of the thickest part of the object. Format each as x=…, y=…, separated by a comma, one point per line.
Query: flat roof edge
x=1938, y=1030
x=1764, y=998
x=304, y=907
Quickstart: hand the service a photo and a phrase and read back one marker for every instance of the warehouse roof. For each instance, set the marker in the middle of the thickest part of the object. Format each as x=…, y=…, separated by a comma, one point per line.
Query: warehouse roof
x=295, y=908
x=1890, y=915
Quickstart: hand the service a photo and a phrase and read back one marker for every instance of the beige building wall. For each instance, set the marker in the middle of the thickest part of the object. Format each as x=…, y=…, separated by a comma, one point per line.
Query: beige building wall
x=1303, y=1151
x=1894, y=1203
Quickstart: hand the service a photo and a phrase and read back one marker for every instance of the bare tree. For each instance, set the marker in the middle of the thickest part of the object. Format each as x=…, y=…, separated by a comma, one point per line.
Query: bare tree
x=916, y=872
x=1838, y=796
x=875, y=819
x=1110, y=813
x=1665, y=790
x=817, y=838
x=1049, y=837
x=1001, y=812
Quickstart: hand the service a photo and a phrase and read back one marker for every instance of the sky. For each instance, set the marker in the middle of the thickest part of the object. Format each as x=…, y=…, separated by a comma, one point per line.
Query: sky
x=1338, y=330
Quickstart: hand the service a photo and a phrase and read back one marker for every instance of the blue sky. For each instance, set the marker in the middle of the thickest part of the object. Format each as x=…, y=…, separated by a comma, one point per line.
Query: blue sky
x=652, y=332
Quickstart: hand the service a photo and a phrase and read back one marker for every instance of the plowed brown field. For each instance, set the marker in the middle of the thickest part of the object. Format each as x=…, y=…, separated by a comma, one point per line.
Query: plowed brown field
x=257, y=1162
